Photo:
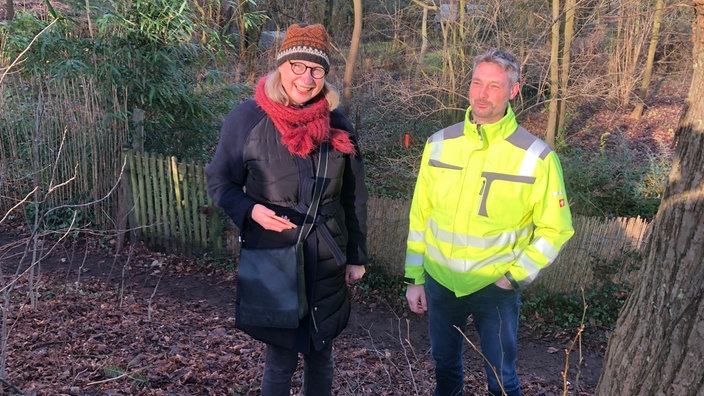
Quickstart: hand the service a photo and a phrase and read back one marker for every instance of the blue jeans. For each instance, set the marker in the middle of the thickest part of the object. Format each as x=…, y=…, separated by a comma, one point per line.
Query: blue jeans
x=280, y=364
x=495, y=312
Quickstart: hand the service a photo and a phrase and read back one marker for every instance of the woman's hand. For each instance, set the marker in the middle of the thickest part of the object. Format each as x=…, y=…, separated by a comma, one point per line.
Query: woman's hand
x=354, y=273
x=268, y=219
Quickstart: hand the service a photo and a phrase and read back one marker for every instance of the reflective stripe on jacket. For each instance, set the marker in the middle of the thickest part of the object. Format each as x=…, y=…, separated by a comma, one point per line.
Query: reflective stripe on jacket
x=489, y=201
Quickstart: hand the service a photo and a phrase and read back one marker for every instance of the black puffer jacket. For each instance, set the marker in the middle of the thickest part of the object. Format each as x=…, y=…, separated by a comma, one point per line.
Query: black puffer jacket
x=252, y=166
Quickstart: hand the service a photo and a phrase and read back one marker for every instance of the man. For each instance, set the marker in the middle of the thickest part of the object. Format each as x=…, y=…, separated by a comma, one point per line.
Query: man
x=489, y=211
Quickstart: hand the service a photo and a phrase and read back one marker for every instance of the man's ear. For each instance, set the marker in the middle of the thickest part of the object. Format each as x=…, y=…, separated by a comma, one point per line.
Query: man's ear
x=514, y=90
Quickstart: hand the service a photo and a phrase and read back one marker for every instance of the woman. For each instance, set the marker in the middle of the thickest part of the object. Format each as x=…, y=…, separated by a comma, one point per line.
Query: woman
x=263, y=174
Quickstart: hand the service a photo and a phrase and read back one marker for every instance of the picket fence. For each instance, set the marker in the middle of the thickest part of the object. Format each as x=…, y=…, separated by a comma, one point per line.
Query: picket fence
x=167, y=205
x=600, y=248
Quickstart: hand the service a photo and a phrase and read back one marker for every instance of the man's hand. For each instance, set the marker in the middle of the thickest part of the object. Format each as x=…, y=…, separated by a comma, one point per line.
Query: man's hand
x=353, y=273
x=415, y=295
x=504, y=283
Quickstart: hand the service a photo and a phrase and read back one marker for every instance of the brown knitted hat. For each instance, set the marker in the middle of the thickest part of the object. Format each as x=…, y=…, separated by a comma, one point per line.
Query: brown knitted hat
x=305, y=42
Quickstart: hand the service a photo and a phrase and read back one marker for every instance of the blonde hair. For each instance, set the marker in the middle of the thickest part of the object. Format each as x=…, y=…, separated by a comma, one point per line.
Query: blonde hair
x=276, y=92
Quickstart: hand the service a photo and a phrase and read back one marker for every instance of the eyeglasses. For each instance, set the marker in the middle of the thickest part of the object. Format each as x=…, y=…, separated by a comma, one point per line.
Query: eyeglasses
x=300, y=68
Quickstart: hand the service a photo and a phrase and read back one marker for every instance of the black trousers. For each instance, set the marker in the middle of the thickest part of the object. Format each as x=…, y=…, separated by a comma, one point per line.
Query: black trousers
x=280, y=364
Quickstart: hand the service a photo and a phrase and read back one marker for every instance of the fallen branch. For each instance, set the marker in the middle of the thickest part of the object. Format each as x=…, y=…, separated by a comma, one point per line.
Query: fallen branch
x=493, y=369
x=575, y=340
x=123, y=375
x=12, y=387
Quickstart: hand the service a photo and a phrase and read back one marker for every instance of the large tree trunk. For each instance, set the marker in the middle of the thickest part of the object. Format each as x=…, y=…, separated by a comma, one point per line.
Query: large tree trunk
x=658, y=344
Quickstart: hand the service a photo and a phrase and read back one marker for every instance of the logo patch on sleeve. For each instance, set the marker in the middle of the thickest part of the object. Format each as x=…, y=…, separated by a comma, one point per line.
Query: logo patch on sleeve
x=561, y=201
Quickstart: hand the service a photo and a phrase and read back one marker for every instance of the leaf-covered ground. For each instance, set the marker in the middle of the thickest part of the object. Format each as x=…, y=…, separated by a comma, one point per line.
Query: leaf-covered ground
x=145, y=323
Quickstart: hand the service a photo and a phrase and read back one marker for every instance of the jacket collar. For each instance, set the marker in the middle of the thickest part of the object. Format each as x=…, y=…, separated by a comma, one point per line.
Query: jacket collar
x=490, y=133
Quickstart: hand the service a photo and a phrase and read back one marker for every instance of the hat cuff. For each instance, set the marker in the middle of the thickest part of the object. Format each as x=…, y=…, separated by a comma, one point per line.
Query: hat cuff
x=305, y=54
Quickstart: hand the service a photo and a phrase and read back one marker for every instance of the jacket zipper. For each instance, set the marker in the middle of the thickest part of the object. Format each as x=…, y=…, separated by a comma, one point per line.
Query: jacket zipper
x=312, y=316
x=483, y=186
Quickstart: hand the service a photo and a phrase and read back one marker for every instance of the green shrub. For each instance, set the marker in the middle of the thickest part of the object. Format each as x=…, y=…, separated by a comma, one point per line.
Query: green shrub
x=614, y=182
x=379, y=287
x=567, y=310
x=156, y=52
x=59, y=218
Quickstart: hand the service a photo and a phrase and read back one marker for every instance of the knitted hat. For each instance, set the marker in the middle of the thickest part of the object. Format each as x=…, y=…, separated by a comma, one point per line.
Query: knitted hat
x=305, y=42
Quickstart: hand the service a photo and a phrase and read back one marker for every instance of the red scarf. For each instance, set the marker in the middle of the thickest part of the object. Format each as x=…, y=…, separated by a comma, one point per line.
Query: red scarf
x=303, y=129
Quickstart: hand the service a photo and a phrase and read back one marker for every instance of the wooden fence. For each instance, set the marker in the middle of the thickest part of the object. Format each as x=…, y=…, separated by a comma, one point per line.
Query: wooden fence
x=169, y=207
x=59, y=137
x=600, y=248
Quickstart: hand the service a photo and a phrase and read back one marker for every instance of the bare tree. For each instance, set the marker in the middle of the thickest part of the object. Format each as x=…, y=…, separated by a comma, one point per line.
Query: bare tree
x=250, y=22
x=424, y=29
x=554, y=75
x=568, y=34
x=327, y=17
x=352, y=57
x=9, y=10
x=625, y=62
x=658, y=343
x=559, y=67
x=657, y=19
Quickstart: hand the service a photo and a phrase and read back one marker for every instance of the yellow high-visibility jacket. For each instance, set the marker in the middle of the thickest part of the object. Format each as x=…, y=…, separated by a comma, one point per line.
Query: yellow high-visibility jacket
x=489, y=201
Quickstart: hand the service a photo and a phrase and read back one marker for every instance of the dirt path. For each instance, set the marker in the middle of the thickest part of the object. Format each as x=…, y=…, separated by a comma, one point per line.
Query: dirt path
x=163, y=326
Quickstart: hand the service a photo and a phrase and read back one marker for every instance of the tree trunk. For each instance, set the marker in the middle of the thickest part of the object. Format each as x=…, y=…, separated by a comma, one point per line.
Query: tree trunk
x=461, y=21
x=327, y=19
x=424, y=38
x=424, y=31
x=566, y=53
x=88, y=18
x=242, y=10
x=658, y=343
x=638, y=110
x=9, y=10
x=554, y=74
x=352, y=58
